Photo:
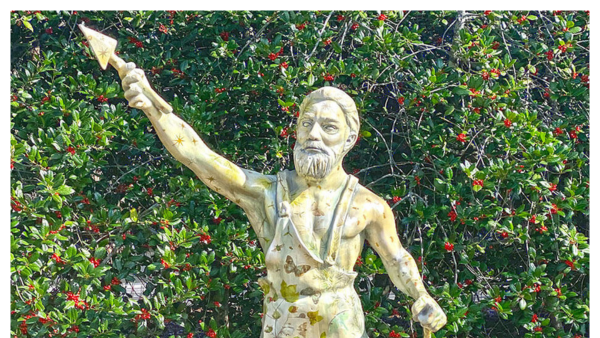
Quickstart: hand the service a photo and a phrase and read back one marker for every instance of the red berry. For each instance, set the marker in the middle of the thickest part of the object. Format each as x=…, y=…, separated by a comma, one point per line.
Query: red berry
x=452, y=215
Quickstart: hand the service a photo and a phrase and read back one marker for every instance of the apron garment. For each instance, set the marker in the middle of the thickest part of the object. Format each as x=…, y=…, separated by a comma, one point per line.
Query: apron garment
x=306, y=295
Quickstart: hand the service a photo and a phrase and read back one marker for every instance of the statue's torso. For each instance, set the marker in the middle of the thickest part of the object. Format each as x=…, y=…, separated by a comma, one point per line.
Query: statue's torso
x=310, y=253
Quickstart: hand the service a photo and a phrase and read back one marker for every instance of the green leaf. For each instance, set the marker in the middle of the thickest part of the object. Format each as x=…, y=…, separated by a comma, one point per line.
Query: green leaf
x=27, y=25
x=65, y=190
x=133, y=215
x=439, y=184
x=58, y=200
x=461, y=91
x=100, y=252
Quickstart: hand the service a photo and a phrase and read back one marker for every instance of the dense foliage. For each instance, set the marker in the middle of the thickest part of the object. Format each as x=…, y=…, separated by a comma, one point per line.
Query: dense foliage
x=474, y=127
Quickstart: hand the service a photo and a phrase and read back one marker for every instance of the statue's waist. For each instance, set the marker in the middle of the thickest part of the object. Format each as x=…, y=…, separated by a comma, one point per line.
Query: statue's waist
x=309, y=282
x=341, y=299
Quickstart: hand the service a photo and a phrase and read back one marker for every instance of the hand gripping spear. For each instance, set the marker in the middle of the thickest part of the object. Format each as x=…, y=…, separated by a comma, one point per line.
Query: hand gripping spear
x=103, y=48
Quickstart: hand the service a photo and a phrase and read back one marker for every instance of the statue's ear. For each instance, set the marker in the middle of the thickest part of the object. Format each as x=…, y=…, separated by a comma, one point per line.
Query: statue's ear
x=350, y=141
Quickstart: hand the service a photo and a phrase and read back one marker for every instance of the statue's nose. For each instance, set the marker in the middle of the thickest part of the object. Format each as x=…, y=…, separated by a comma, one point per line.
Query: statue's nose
x=315, y=133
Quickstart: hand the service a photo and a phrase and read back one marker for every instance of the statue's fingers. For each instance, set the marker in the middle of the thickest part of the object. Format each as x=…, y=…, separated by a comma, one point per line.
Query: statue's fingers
x=144, y=104
x=140, y=102
x=426, y=314
x=136, y=97
x=416, y=309
x=435, y=324
x=129, y=66
x=130, y=97
x=133, y=91
x=438, y=320
x=125, y=69
x=135, y=75
x=443, y=320
x=415, y=312
x=438, y=323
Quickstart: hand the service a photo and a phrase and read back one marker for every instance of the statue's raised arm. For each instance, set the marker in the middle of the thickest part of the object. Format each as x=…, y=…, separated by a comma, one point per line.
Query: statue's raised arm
x=244, y=187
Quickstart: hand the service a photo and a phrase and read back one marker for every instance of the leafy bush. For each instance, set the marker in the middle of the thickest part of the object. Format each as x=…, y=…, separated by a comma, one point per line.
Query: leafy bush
x=474, y=127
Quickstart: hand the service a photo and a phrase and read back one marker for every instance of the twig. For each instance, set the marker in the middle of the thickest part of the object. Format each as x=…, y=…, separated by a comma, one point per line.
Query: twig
x=257, y=34
x=136, y=167
x=145, y=212
x=320, y=34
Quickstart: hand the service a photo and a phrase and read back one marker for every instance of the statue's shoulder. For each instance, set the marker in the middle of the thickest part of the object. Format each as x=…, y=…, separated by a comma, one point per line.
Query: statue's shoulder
x=267, y=183
x=364, y=193
x=367, y=201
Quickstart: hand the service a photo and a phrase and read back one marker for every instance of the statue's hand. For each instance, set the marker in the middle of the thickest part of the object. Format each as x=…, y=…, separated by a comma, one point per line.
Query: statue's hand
x=133, y=80
x=427, y=312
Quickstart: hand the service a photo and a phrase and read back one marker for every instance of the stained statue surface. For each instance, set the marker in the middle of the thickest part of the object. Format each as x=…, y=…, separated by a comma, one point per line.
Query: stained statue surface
x=311, y=222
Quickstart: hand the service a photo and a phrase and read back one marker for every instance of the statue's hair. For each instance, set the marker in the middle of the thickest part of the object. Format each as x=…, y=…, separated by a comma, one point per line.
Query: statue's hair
x=338, y=96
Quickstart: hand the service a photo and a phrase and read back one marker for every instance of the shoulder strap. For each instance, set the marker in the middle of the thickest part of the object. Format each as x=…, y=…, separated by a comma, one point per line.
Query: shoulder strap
x=282, y=191
x=341, y=212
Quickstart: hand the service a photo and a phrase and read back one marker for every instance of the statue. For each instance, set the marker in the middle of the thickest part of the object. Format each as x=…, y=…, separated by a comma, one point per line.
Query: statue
x=311, y=222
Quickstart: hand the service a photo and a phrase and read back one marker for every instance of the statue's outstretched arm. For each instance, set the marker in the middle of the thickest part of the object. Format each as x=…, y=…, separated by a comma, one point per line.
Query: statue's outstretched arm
x=243, y=187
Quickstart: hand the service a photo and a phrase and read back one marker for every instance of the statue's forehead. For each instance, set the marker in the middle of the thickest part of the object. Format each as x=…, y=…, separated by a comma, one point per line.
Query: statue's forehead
x=327, y=108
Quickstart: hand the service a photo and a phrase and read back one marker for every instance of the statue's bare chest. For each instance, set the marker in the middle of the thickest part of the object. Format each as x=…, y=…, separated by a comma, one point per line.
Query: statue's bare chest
x=313, y=216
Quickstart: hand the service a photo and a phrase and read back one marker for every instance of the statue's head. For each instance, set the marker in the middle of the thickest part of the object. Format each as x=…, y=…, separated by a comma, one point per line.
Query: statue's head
x=327, y=129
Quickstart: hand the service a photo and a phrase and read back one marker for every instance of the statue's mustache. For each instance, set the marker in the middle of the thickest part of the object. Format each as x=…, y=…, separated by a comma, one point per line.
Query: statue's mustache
x=315, y=147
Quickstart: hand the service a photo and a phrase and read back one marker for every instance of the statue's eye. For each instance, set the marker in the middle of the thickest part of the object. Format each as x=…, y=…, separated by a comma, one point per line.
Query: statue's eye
x=306, y=124
x=331, y=128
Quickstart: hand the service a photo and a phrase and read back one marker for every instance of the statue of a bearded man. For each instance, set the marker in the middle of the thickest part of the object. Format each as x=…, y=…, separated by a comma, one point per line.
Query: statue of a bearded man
x=311, y=222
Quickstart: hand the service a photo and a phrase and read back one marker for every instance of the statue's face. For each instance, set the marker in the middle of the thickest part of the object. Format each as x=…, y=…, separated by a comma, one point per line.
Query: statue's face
x=321, y=135
x=322, y=123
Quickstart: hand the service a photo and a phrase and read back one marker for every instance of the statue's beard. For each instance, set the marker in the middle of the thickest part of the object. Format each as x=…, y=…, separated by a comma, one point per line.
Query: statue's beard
x=314, y=164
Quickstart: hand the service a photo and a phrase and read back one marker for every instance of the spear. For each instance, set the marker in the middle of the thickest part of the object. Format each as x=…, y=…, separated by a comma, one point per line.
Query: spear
x=103, y=48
